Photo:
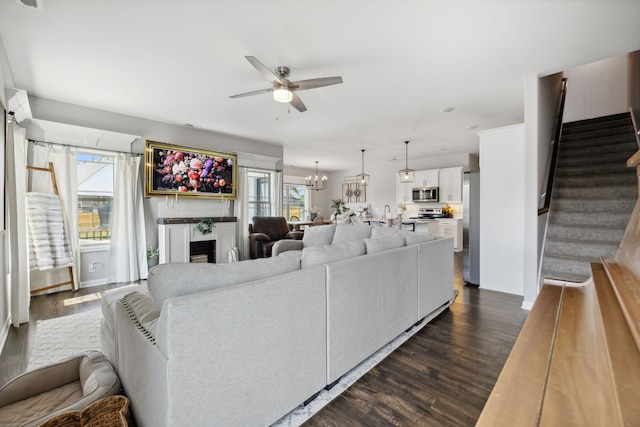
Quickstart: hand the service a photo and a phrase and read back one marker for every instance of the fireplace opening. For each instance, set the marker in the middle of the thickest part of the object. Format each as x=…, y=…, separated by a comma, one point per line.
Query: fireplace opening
x=203, y=251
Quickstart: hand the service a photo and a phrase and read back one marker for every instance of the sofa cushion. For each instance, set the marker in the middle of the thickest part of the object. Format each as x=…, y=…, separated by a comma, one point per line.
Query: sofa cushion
x=320, y=235
x=348, y=233
x=384, y=243
x=411, y=238
x=315, y=255
x=380, y=232
x=175, y=279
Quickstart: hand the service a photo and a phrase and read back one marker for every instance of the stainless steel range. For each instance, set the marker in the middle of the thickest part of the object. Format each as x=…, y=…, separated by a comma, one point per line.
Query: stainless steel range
x=430, y=213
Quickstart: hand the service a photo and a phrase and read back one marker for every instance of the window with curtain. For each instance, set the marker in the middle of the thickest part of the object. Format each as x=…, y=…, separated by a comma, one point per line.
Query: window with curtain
x=259, y=193
x=95, y=196
x=294, y=201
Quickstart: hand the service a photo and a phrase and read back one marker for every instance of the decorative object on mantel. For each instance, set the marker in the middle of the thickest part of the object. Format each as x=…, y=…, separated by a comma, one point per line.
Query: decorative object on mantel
x=205, y=226
x=177, y=170
x=362, y=178
x=316, y=183
x=406, y=174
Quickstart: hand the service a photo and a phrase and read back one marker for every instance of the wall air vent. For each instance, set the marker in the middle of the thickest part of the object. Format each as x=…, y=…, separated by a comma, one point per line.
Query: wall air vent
x=35, y=4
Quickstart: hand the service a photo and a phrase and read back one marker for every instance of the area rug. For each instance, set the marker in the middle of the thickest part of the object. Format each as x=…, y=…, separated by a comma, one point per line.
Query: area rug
x=63, y=337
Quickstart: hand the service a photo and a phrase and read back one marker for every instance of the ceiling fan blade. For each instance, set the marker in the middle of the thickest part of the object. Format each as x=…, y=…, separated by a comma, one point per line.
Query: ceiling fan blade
x=255, y=92
x=267, y=73
x=314, y=83
x=297, y=103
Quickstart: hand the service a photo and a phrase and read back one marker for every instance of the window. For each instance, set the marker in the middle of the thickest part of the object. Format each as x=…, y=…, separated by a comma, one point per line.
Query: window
x=293, y=200
x=259, y=193
x=95, y=196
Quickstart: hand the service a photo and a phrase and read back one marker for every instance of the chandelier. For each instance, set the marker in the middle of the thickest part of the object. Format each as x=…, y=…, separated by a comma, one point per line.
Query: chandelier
x=317, y=183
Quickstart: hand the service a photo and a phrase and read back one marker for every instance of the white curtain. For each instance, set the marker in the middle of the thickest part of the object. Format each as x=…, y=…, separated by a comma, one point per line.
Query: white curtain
x=65, y=166
x=242, y=213
x=127, y=249
x=16, y=232
x=276, y=192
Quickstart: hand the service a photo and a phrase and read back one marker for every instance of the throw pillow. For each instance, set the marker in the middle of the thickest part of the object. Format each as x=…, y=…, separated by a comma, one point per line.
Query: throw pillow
x=315, y=255
x=384, y=243
x=351, y=232
x=319, y=235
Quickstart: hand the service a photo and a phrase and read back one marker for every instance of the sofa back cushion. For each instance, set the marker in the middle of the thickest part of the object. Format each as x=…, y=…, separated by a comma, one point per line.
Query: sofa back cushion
x=175, y=279
x=412, y=238
x=315, y=255
x=351, y=232
x=318, y=236
x=384, y=243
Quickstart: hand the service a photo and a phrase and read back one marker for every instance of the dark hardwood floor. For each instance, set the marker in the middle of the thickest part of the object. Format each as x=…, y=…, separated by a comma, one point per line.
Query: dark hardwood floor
x=442, y=376
x=17, y=349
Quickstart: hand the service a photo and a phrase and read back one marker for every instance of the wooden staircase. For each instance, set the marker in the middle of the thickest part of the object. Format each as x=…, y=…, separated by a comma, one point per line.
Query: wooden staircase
x=576, y=361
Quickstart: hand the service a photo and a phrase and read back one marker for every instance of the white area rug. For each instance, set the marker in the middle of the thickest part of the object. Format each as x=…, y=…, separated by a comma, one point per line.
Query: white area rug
x=63, y=337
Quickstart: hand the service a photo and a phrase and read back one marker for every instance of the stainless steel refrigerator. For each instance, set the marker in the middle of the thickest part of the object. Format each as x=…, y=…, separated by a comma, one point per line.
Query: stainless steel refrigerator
x=471, y=228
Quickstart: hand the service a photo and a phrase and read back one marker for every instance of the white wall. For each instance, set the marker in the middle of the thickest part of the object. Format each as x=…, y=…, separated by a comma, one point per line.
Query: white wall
x=250, y=153
x=5, y=292
x=502, y=209
x=597, y=89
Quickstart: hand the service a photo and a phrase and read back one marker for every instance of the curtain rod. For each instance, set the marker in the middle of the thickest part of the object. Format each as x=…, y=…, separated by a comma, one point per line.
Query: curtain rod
x=35, y=141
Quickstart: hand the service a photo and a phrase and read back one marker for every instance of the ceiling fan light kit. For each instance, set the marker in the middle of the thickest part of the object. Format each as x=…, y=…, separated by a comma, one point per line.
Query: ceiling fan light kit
x=317, y=184
x=284, y=90
x=406, y=174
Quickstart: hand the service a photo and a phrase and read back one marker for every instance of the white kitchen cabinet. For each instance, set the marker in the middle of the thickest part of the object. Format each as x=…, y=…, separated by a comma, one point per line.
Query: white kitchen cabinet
x=451, y=227
x=174, y=240
x=450, y=183
x=426, y=178
x=403, y=191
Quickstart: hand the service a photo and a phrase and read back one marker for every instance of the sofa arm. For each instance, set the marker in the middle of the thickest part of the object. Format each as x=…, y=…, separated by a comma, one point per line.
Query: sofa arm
x=259, y=237
x=295, y=235
x=286, y=245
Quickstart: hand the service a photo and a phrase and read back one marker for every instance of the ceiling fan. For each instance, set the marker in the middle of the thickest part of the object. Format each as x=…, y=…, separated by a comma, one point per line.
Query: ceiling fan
x=283, y=89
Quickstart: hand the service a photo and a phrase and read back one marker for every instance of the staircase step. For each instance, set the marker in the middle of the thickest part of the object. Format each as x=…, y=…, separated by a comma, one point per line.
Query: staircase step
x=567, y=269
x=595, y=219
x=596, y=148
x=605, y=121
x=608, y=157
x=626, y=179
x=580, y=249
x=594, y=234
x=602, y=206
x=601, y=192
x=600, y=168
x=599, y=133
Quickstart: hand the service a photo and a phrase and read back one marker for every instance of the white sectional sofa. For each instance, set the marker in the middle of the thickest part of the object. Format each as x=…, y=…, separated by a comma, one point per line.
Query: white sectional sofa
x=245, y=343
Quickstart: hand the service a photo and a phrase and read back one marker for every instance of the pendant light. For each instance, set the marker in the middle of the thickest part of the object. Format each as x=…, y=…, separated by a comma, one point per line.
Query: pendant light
x=362, y=178
x=406, y=174
x=317, y=184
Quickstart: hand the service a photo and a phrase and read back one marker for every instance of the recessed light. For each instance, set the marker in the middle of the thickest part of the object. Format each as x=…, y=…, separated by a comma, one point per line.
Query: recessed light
x=446, y=109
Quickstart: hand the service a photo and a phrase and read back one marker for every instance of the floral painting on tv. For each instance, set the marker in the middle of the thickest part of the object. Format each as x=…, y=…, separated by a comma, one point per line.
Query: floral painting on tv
x=184, y=171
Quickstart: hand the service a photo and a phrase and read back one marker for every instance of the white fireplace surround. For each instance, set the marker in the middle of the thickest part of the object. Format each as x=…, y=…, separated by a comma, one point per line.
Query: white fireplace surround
x=174, y=239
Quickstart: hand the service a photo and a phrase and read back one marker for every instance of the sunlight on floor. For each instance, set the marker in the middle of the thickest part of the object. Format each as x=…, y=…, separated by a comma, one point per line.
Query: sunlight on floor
x=84, y=298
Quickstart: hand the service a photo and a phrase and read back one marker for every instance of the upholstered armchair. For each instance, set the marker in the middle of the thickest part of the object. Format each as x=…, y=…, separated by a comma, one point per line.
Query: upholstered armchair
x=265, y=231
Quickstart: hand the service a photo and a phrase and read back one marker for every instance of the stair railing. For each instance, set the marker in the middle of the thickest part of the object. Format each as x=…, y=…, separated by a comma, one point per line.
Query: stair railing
x=635, y=126
x=556, y=145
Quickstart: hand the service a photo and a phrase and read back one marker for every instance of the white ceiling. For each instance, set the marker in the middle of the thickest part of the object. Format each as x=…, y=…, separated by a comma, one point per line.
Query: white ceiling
x=178, y=61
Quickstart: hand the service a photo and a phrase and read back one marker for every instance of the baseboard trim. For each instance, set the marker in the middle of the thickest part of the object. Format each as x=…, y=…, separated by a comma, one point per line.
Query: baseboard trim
x=96, y=282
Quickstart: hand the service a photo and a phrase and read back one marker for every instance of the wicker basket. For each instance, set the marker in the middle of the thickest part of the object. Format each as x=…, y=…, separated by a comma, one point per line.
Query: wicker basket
x=111, y=411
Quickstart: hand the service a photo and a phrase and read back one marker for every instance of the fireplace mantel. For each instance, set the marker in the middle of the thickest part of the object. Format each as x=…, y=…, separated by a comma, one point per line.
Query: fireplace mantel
x=176, y=234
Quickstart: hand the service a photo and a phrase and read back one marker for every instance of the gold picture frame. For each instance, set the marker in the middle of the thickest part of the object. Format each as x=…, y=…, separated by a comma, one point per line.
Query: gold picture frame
x=189, y=172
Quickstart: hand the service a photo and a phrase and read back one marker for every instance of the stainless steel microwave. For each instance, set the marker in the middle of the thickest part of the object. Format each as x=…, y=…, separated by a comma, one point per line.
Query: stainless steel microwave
x=425, y=194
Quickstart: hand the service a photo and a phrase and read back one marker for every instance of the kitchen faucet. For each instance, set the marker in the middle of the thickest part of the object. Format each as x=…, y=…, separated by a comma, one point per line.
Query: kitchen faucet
x=384, y=212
